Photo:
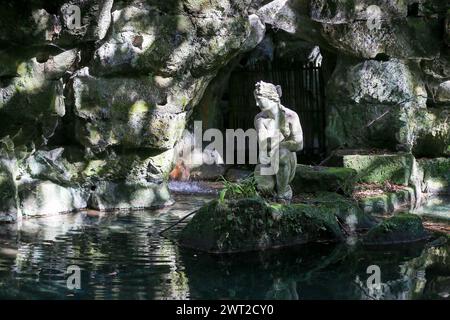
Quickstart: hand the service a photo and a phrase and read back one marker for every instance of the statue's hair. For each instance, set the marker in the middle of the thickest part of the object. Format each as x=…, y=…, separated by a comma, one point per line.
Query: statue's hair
x=268, y=90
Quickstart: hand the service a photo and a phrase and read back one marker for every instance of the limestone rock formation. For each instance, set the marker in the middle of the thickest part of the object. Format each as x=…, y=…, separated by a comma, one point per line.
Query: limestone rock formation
x=392, y=64
x=99, y=100
x=117, y=91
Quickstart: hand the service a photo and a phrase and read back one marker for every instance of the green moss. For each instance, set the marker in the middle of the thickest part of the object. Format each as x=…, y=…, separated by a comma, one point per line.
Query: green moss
x=139, y=107
x=395, y=168
x=387, y=202
x=436, y=174
x=400, y=228
x=312, y=179
x=253, y=224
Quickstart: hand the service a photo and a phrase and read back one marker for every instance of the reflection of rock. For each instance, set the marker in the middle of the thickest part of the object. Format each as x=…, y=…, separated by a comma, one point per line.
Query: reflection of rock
x=277, y=274
x=319, y=272
x=426, y=276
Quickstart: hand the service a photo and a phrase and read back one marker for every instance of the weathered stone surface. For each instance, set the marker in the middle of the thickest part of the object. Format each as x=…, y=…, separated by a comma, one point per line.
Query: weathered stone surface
x=431, y=132
x=401, y=228
x=293, y=17
x=403, y=38
x=158, y=66
x=207, y=172
x=50, y=165
x=123, y=112
x=8, y=205
x=312, y=179
x=349, y=28
x=443, y=92
x=394, y=168
x=47, y=198
x=388, y=202
x=43, y=22
x=436, y=175
x=34, y=96
x=377, y=82
x=372, y=104
x=129, y=196
x=447, y=28
x=252, y=224
x=132, y=167
x=338, y=11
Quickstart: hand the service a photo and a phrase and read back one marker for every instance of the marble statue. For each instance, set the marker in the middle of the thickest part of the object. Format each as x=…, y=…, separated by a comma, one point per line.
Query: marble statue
x=280, y=134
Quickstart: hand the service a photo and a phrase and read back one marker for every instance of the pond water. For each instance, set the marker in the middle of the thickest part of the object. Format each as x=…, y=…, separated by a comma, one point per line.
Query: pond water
x=123, y=256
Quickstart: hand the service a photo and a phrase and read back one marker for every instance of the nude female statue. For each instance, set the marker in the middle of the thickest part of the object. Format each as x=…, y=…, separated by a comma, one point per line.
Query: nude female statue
x=280, y=134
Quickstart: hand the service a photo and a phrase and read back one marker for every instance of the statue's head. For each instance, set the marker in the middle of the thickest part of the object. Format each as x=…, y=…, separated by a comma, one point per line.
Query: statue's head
x=267, y=96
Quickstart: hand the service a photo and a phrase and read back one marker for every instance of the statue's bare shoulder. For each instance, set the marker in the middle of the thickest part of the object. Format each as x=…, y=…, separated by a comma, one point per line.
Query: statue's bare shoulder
x=290, y=115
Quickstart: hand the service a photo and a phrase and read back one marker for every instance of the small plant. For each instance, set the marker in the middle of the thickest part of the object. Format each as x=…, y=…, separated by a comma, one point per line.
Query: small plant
x=236, y=190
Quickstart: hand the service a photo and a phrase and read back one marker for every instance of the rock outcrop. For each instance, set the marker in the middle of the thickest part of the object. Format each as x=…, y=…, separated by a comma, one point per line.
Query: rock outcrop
x=390, y=86
x=116, y=86
x=99, y=100
x=250, y=224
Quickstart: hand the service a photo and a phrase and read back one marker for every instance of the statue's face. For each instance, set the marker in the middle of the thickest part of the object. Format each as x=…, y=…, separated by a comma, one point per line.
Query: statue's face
x=266, y=104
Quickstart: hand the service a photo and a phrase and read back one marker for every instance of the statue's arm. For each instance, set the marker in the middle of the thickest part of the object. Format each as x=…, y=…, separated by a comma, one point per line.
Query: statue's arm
x=295, y=141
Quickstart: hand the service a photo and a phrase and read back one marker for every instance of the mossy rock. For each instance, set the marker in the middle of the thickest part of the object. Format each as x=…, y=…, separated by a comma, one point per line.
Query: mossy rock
x=379, y=168
x=317, y=178
x=432, y=132
x=387, y=202
x=401, y=228
x=436, y=174
x=253, y=224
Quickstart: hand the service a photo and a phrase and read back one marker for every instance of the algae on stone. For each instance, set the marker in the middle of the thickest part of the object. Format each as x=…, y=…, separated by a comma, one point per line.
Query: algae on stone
x=253, y=224
x=401, y=228
x=394, y=168
x=316, y=178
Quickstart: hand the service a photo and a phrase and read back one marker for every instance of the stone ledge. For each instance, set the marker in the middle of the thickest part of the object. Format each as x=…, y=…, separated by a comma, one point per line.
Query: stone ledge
x=395, y=168
x=317, y=178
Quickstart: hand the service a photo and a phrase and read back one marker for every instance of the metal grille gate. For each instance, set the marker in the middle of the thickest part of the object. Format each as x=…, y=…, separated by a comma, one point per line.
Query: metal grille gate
x=303, y=92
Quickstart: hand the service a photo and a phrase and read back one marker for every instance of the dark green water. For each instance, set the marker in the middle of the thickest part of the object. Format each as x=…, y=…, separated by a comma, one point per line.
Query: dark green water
x=121, y=256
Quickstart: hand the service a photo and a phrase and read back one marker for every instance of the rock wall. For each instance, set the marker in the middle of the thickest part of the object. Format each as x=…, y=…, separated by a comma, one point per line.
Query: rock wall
x=390, y=87
x=91, y=113
x=92, y=110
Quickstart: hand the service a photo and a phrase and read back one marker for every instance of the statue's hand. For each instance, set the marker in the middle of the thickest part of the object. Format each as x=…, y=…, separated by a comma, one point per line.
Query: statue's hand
x=291, y=145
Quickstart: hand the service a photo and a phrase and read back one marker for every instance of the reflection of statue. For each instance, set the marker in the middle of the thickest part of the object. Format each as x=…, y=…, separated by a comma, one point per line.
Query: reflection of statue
x=282, y=127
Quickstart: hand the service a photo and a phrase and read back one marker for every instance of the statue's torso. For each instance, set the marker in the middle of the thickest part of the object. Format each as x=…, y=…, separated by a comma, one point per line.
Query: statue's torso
x=281, y=123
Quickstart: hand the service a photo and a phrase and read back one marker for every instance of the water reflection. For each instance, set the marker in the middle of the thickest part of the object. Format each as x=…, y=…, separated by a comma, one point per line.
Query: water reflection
x=122, y=256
